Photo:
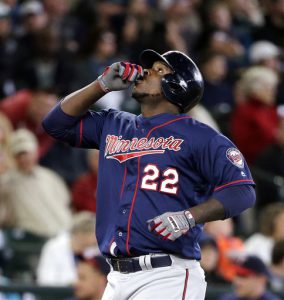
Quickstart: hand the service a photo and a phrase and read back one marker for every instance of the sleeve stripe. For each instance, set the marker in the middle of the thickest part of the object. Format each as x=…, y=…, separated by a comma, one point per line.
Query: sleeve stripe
x=232, y=183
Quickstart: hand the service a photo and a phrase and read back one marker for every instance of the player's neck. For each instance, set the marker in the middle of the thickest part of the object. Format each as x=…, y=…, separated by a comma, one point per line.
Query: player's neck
x=150, y=110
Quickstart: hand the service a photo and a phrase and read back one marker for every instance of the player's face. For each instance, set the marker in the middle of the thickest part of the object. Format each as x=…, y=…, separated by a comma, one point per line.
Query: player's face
x=150, y=86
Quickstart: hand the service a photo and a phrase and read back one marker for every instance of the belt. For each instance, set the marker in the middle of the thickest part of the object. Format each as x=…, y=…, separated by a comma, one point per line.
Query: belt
x=135, y=264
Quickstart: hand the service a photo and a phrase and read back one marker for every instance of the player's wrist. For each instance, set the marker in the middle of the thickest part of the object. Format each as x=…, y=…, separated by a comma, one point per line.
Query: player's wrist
x=103, y=85
x=190, y=219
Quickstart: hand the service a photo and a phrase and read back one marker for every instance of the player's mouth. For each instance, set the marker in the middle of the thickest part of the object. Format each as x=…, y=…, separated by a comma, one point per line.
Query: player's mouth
x=139, y=81
x=140, y=78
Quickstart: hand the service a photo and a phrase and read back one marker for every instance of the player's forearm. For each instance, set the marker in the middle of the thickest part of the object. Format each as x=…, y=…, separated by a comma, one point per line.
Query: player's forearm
x=210, y=210
x=79, y=101
x=225, y=203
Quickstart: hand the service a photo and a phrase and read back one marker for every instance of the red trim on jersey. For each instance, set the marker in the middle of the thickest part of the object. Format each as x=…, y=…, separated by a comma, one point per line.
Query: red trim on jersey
x=166, y=123
x=123, y=182
x=232, y=182
x=81, y=133
x=138, y=179
x=185, y=284
x=132, y=206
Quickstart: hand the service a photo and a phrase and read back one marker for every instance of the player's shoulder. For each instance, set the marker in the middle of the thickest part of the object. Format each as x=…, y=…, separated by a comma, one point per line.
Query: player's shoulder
x=200, y=130
x=203, y=136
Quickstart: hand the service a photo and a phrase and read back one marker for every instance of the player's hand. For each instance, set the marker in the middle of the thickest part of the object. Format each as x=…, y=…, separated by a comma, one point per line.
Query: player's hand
x=171, y=225
x=120, y=76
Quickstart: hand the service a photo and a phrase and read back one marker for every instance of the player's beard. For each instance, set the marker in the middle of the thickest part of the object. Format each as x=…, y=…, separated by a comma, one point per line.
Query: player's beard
x=142, y=97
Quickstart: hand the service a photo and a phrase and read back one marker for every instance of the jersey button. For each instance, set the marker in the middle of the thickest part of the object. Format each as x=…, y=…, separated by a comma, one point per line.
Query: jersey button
x=120, y=233
x=124, y=211
x=143, y=130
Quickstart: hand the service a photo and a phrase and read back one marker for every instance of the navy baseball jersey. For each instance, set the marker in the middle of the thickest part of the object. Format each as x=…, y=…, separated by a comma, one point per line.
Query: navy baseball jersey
x=149, y=166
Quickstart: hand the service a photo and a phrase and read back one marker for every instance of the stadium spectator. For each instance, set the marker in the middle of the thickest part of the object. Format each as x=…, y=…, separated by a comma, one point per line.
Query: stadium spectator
x=92, y=278
x=136, y=29
x=265, y=53
x=26, y=109
x=255, y=119
x=277, y=267
x=61, y=19
x=33, y=19
x=8, y=48
x=100, y=51
x=39, y=197
x=273, y=28
x=85, y=187
x=228, y=245
x=246, y=14
x=6, y=160
x=184, y=17
x=7, y=216
x=251, y=281
x=219, y=35
x=57, y=264
x=50, y=66
x=209, y=260
x=58, y=159
x=268, y=170
x=218, y=92
x=271, y=229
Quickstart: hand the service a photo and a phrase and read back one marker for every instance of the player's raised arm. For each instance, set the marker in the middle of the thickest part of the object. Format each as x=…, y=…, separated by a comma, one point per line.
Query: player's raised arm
x=63, y=121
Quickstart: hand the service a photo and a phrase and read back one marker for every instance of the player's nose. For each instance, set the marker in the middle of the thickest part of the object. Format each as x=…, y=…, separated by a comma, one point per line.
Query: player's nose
x=146, y=72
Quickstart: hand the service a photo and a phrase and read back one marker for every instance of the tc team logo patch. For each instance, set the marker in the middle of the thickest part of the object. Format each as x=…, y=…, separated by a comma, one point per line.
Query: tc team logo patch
x=235, y=157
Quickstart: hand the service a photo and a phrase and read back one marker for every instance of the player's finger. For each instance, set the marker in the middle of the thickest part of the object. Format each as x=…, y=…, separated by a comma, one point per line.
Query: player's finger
x=106, y=71
x=160, y=231
x=127, y=70
x=133, y=74
x=167, y=236
x=140, y=72
x=121, y=69
x=152, y=225
x=160, y=228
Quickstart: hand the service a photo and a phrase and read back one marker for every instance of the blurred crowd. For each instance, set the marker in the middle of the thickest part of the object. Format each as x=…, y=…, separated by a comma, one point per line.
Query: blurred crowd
x=50, y=48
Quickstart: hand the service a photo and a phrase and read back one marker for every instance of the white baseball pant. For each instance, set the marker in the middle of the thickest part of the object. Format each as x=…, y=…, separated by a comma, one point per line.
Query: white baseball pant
x=183, y=280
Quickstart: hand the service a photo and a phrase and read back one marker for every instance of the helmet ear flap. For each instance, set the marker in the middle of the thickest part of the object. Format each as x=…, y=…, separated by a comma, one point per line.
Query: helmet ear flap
x=173, y=89
x=175, y=84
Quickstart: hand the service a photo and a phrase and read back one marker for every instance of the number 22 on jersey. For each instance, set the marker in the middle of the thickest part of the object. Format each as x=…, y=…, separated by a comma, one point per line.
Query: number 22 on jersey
x=168, y=184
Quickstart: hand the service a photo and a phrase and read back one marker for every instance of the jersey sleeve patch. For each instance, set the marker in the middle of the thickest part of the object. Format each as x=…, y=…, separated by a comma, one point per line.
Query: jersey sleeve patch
x=235, y=157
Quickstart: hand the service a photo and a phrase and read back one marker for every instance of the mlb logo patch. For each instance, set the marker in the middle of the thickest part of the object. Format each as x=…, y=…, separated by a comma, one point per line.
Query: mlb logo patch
x=235, y=157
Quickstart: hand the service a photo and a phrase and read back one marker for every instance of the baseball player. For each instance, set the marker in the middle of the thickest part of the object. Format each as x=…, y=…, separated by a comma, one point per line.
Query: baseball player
x=162, y=175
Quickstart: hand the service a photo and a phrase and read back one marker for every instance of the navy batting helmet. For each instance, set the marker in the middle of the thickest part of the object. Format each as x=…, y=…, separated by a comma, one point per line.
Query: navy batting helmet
x=184, y=87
